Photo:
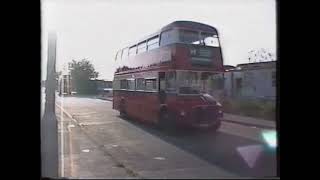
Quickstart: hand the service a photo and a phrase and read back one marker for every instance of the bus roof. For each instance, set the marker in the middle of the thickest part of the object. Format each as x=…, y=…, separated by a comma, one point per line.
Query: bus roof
x=176, y=24
x=183, y=24
x=190, y=25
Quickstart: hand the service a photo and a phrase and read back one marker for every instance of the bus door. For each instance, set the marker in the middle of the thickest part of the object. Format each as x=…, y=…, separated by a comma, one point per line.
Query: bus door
x=140, y=95
x=151, y=99
x=162, y=88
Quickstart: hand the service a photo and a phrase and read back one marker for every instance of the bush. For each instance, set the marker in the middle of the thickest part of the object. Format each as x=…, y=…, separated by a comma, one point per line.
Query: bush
x=229, y=106
x=269, y=110
x=250, y=108
x=253, y=108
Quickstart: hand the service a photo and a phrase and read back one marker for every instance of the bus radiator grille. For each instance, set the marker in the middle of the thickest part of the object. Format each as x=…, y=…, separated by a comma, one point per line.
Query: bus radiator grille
x=205, y=114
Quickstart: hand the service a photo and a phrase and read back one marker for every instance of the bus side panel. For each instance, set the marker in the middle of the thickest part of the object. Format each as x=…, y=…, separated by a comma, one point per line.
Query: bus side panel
x=150, y=107
x=132, y=102
x=139, y=102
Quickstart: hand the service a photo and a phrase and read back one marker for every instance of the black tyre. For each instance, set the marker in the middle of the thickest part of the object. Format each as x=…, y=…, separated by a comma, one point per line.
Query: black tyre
x=122, y=109
x=166, y=121
x=215, y=127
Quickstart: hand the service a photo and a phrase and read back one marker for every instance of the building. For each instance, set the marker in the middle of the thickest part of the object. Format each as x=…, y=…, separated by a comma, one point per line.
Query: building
x=104, y=87
x=102, y=84
x=94, y=86
x=64, y=84
x=251, y=80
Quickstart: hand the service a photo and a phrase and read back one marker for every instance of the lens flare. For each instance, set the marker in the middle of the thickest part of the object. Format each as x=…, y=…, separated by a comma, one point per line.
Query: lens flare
x=270, y=137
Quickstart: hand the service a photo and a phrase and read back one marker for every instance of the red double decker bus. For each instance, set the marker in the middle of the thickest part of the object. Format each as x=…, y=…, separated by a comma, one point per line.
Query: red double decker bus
x=170, y=77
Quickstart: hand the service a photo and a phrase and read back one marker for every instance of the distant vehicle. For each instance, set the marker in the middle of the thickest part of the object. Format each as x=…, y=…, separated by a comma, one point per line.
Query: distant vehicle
x=165, y=78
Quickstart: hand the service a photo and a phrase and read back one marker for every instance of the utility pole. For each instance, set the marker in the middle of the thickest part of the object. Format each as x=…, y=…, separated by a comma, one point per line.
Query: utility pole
x=49, y=128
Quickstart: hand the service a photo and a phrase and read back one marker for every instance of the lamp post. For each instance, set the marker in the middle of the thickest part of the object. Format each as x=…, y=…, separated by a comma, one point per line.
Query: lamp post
x=49, y=129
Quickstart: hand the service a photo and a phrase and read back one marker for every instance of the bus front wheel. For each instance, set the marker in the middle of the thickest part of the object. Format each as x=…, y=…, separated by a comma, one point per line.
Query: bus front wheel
x=165, y=121
x=215, y=128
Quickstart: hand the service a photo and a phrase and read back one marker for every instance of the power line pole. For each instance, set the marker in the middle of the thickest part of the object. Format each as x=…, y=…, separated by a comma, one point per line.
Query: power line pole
x=49, y=128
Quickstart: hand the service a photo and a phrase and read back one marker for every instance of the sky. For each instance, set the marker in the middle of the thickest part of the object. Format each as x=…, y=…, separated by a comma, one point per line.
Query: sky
x=97, y=29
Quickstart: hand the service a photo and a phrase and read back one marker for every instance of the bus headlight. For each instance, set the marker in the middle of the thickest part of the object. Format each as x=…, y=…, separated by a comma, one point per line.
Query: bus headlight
x=182, y=113
x=218, y=104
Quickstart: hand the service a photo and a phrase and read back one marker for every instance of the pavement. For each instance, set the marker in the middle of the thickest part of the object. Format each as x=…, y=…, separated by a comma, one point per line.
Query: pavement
x=80, y=157
x=96, y=143
x=86, y=158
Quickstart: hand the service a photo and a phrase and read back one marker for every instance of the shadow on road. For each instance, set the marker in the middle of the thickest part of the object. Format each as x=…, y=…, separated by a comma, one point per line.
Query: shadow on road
x=217, y=148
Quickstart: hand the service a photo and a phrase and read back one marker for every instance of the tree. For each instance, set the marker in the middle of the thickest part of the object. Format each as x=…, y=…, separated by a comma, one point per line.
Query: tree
x=260, y=55
x=81, y=73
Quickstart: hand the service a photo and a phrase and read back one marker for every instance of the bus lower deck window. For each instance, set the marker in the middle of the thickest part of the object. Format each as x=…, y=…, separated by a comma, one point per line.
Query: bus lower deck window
x=140, y=84
x=151, y=84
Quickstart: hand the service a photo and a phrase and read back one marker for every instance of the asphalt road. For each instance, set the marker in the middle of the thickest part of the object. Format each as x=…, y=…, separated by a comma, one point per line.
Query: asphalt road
x=97, y=143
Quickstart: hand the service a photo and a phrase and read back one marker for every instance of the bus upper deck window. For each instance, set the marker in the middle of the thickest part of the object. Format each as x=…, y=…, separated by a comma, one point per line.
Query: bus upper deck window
x=124, y=53
x=169, y=37
x=142, y=47
x=190, y=37
x=132, y=50
x=153, y=43
x=117, y=56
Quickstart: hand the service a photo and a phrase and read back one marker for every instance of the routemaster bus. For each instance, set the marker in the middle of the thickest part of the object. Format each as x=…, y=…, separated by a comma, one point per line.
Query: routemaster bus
x=169, y=78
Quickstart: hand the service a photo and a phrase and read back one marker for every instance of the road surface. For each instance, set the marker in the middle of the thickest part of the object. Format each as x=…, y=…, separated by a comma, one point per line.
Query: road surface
x=97, y=143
